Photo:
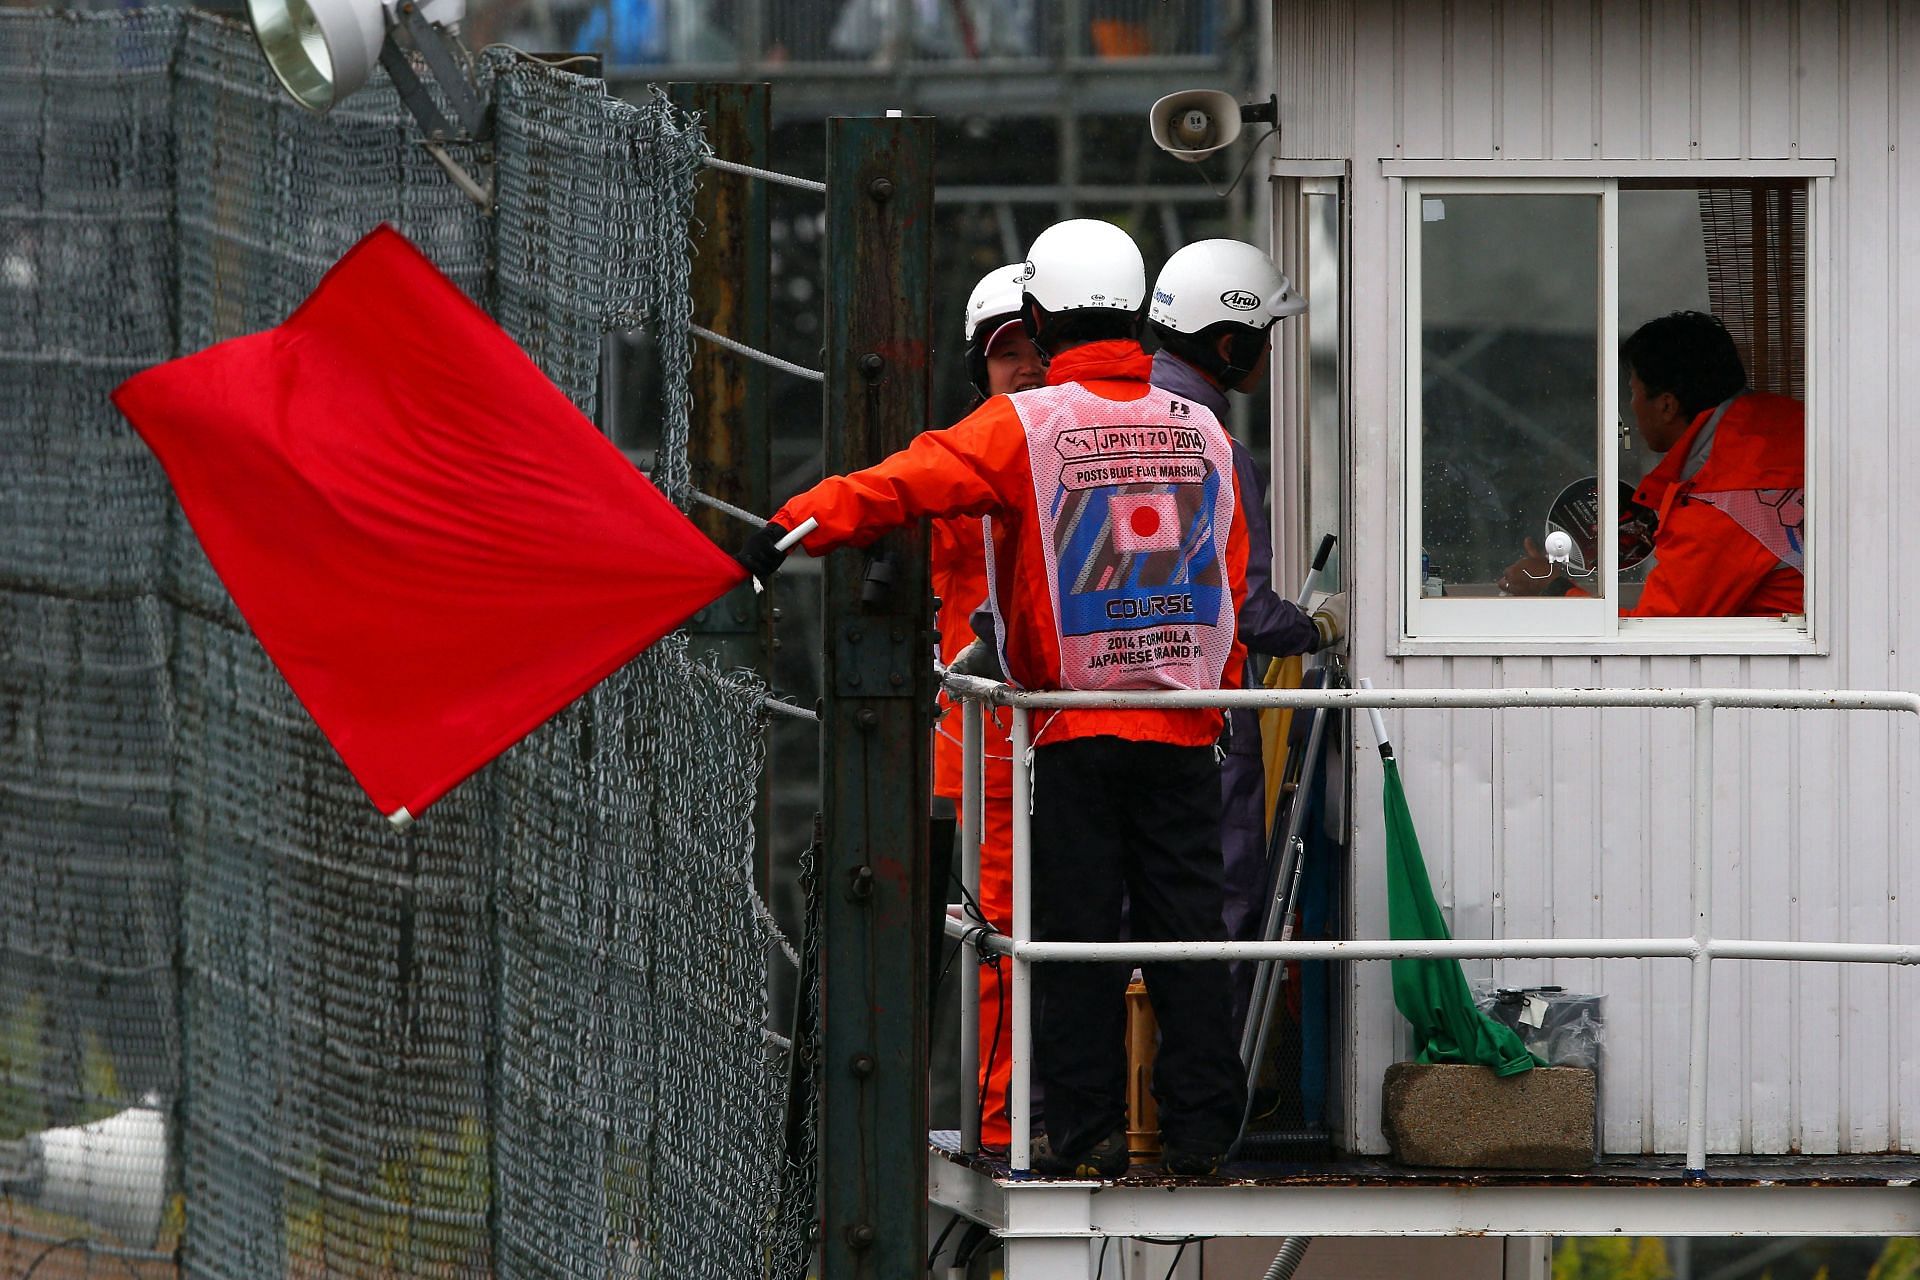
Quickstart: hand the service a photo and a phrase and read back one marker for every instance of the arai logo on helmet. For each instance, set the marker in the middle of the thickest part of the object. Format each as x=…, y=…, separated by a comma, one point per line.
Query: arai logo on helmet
x=1028, y=273
x=1240, y=300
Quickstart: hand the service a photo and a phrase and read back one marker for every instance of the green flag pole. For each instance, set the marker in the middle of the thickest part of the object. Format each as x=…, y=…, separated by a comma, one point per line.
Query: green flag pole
x=1432, y=994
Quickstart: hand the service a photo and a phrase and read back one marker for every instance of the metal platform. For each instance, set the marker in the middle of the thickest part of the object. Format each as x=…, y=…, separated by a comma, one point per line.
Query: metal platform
x=1624, y=1195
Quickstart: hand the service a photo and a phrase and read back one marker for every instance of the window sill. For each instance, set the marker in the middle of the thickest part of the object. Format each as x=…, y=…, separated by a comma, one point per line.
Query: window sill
x=1691, y=637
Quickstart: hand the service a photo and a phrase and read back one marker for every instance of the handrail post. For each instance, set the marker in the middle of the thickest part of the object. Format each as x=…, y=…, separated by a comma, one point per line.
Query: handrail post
x=1020, y=1107
x=1702, y=960
x=972, y=811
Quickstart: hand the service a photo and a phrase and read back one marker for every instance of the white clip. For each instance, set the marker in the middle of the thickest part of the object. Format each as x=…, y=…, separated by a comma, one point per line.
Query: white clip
x=1558, y=549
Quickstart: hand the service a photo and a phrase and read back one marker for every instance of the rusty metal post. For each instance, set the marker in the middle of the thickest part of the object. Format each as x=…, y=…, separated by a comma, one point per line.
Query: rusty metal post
x=875, y=749
x=730, y=441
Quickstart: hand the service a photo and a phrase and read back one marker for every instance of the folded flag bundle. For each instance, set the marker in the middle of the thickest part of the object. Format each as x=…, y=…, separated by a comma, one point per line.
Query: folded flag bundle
x=1432, y=994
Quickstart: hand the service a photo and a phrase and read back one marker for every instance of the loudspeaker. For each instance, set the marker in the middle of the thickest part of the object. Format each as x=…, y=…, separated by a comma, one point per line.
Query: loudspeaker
x=1194, y=123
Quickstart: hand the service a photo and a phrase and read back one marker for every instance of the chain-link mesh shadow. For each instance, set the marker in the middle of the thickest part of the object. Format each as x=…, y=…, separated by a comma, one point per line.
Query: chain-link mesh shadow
x=529, y=1038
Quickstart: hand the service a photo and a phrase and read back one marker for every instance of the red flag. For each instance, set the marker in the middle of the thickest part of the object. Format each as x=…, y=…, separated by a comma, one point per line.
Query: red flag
x=437, y=550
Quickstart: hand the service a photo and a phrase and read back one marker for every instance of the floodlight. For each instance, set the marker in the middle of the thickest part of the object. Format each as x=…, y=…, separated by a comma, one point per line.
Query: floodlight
x=111, y=1174
x=323, y=50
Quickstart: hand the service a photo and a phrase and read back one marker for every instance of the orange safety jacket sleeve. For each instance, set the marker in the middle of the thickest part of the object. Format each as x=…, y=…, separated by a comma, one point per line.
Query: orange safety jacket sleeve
x=979, y=466
x=969, y=469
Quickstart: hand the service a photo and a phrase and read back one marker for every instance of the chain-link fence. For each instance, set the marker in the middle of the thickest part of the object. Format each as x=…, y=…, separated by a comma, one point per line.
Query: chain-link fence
x=529, y=1038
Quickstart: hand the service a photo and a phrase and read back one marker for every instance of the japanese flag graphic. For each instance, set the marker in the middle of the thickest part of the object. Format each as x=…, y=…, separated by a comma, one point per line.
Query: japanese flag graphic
x=1145, y=522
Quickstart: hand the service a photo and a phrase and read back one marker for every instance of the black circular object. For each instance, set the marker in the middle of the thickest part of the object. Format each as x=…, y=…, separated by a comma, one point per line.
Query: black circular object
x=1576, y=512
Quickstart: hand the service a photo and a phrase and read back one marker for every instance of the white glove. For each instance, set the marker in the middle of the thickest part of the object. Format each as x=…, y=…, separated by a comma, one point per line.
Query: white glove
x=1330, y=620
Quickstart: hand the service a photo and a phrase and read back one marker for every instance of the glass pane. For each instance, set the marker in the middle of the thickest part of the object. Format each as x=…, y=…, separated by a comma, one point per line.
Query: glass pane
x=1322, y=290
x=1737, y=252
x=1509, y=380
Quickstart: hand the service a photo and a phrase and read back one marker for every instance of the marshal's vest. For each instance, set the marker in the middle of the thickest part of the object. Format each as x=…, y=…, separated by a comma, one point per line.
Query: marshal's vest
x=1134, y=500
x=1765, y=450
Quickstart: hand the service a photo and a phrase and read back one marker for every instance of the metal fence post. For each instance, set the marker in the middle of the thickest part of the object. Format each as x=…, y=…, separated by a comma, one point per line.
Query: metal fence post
x=875, y=748
x=1019, y=968
x=729, y=444
x=972, y=820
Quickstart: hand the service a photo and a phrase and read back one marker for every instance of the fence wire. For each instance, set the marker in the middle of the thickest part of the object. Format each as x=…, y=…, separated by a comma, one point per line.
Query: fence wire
x=526, y=1039
x=89, y=875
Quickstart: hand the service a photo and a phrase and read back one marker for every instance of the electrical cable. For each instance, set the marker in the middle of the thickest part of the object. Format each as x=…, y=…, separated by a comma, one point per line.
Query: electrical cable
x=546, y=60
x=1272, y=132
x=988, y=960
x=940, y=1241
x=990, y=755
x=959, y=945
x=1292, y=1249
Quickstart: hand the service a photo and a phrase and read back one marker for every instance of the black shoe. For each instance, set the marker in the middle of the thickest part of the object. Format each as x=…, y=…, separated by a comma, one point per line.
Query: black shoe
x=1182, y=1163
x=1106, y=1159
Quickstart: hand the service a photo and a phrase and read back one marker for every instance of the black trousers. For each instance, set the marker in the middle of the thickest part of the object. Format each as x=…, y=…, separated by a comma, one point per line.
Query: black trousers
x=1139, y=822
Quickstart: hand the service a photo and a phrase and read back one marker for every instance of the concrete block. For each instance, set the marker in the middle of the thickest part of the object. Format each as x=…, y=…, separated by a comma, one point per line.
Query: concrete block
x=1452, y=1116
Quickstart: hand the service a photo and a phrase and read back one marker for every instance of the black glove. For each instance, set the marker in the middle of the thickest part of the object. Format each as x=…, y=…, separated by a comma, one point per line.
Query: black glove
x=760, y=555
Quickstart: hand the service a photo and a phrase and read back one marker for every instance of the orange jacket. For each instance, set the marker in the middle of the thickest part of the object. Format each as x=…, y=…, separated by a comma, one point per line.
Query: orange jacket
x=1707, y=564
x=979, y=466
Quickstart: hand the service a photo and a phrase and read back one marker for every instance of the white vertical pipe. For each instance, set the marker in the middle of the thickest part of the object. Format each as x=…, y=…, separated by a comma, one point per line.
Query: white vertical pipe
x=972, y=739
x=1609, y=425
x=1020, y=1110
x=1702, y=961
x=1373, y=714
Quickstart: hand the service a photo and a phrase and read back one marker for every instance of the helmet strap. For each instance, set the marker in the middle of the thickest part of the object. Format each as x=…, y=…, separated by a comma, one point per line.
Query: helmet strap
x=976, y=357
x=1244, y=346
x=1033, y=320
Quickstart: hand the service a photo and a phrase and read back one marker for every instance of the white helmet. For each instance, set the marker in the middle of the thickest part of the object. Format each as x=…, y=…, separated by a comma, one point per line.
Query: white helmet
x=1083, y=264
x=997, y=296
x=994, y=304
x=1211, y=281
x=1220, y=287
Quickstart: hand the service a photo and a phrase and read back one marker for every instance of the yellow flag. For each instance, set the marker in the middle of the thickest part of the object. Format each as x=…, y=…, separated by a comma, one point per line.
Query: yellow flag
x=1282, y=673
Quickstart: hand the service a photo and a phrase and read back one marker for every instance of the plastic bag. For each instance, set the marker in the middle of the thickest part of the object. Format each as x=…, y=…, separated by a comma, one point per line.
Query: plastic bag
x=1561, y=1028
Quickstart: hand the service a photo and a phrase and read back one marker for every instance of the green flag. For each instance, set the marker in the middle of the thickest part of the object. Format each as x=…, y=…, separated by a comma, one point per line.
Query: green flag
x=1433, y=994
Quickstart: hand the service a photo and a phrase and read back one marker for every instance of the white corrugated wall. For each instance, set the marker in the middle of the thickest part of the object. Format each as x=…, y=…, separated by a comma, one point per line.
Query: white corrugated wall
x=1576, y=822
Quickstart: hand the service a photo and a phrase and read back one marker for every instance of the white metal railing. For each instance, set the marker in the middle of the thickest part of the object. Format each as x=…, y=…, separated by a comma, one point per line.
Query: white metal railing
x=1701, y=948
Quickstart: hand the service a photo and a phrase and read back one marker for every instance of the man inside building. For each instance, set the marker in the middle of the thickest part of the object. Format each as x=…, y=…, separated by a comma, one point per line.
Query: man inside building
x=1117, y=561
x=1001, y=360
x=1730, y=492
x=1214, y=308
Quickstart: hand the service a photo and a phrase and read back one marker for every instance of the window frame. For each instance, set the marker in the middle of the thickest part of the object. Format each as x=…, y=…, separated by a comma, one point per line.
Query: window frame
x=1292, y=185
x=1495, y=627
